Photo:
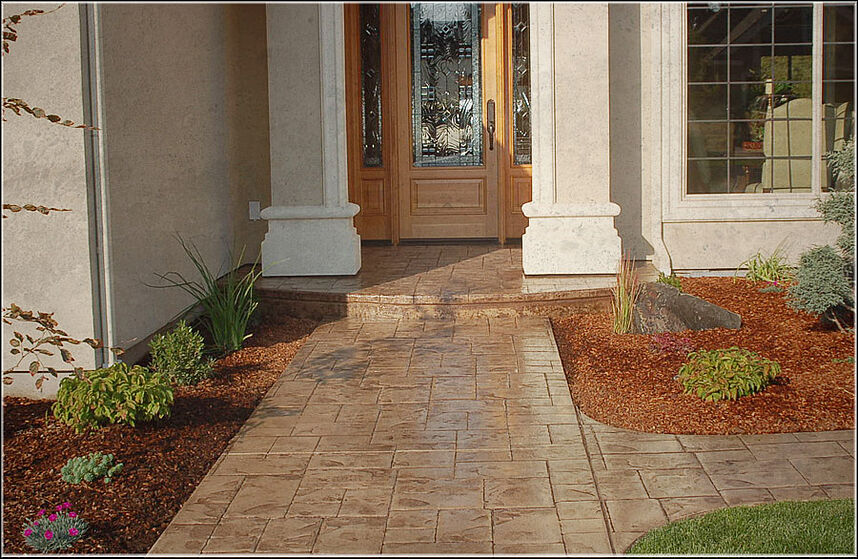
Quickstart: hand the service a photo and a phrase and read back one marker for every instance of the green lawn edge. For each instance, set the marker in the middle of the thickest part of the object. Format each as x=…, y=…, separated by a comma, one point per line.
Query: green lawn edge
x=789, y=527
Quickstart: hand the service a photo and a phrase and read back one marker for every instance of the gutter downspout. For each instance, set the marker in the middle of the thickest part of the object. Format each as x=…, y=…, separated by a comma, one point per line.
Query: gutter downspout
x=96, y=180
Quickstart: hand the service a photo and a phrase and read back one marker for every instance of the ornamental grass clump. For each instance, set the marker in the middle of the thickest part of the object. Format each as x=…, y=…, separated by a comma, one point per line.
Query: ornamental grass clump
x=726, y=374
x=90, y=467
x=228, y=304
x=116, y=394
x=624, y=295
x=773, y=268
x=180, y=355
x=55, y=531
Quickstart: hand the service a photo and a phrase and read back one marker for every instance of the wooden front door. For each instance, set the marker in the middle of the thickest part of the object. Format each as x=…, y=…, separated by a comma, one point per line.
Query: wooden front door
x=432, y=94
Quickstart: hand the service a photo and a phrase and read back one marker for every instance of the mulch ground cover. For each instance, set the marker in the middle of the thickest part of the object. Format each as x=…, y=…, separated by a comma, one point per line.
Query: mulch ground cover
x=620, y=380
x=163, y=460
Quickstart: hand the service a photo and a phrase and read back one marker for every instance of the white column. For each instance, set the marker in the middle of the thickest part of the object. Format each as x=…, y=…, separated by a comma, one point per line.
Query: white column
x=311, y=222
x=571, y=218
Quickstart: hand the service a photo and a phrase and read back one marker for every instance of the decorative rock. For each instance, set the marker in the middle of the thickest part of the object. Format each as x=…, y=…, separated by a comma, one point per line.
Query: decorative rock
x=663, y=308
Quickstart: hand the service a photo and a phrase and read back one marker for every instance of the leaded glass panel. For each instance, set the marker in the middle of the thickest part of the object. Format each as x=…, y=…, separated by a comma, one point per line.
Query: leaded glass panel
x=521, y=83
x=370, y=91
x=446, y=78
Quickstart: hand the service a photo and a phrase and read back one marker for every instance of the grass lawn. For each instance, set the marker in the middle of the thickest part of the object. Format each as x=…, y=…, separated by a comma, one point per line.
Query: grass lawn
x=776, y=528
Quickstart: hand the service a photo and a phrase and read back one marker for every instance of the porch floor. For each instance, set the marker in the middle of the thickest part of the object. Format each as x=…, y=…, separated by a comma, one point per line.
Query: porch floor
x=441, y=280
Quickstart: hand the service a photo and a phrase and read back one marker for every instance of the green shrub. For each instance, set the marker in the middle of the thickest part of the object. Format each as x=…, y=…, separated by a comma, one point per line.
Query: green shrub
x=670, y=280
x=228, y=304
x=726, y=374
x=825, y=281
x=90, y=468
x=179, y=355
x=822, y=282
x=772, y=269
x=116, y=394
x=55, y=530
x=625, y=294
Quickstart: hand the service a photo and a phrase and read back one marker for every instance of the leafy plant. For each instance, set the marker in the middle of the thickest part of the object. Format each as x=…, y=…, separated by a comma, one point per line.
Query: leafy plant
x=90, y=468
x=179, y=354
x=54, y=531
x=726, y=374
x=825, y=281
x=116, y=394
x=666, y=342
x=772, y=268
x=228, y=304
x=625, y=294
x=670, y=280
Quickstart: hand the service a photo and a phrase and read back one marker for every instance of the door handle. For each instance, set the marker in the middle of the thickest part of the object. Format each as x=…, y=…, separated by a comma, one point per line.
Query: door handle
x=490, y=122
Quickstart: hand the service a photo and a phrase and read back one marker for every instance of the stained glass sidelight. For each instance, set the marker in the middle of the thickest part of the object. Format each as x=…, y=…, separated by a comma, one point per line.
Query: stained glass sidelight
x=446, y=78
x=370, y=91
x=521, y=83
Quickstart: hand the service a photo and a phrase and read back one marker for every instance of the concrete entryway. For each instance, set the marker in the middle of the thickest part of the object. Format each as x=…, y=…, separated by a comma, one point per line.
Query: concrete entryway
x=398, y=436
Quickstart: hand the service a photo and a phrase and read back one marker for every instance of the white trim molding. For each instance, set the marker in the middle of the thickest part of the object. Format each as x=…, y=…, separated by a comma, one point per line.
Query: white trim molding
x=668, y=72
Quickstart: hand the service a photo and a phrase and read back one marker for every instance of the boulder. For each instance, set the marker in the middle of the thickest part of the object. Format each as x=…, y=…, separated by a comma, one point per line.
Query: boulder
x=664, y=308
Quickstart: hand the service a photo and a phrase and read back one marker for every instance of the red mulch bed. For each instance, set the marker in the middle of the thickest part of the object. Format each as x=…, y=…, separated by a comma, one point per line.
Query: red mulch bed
x=618, y=380
x=164, y=460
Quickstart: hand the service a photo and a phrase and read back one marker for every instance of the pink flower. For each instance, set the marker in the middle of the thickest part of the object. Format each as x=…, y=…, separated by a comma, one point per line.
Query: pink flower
x=42, y=512
x=49, y=535
x=73, y=532
x=52, y=517
x=72, y=514
x=27, y=532
x=59, y=508
x=66, y=505
x=36, y=523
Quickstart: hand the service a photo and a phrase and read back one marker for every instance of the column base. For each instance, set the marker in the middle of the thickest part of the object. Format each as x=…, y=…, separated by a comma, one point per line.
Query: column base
x=311, y=241
x=570, y=239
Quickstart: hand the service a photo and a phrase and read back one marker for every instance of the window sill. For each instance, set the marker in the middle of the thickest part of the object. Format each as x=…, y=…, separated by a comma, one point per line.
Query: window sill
x=743, y=207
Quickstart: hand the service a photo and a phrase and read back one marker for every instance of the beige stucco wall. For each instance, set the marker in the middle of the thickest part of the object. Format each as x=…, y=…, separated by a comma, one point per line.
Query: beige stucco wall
x=725, y=245
x=626, y=107
x=294, y=88
x=183, y=89
x=46, y=259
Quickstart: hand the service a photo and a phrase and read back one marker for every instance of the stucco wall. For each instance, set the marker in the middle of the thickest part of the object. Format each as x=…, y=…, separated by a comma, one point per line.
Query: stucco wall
x=725, y=245
x=294, y=88
x=626, y=102
x=182, y=89
x=46, y=259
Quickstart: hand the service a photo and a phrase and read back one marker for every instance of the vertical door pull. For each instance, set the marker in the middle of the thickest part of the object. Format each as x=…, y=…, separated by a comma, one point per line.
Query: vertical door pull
x=490, y=122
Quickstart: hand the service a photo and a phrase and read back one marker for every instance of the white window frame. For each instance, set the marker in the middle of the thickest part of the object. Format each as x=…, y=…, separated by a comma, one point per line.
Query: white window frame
x=677, y=204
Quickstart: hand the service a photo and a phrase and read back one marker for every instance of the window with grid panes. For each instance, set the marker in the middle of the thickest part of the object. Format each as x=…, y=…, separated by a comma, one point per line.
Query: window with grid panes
x=751, y=93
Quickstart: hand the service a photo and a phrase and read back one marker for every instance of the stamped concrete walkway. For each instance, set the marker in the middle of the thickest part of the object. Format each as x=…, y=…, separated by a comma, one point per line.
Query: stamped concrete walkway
x=461, y=437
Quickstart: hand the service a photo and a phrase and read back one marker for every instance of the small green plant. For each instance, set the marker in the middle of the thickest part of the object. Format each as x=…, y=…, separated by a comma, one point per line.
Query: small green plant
x=825, y=281
x=670, y=280
x=228, y=304
x=54, y=531
x=625, y=294
x=116, y=394
x=726, y=374
x=90, y=468
x=179, y=354
x=772, y=269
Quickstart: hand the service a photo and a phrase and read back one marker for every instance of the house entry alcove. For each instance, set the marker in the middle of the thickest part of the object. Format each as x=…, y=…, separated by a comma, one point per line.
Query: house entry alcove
x=438, y=120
